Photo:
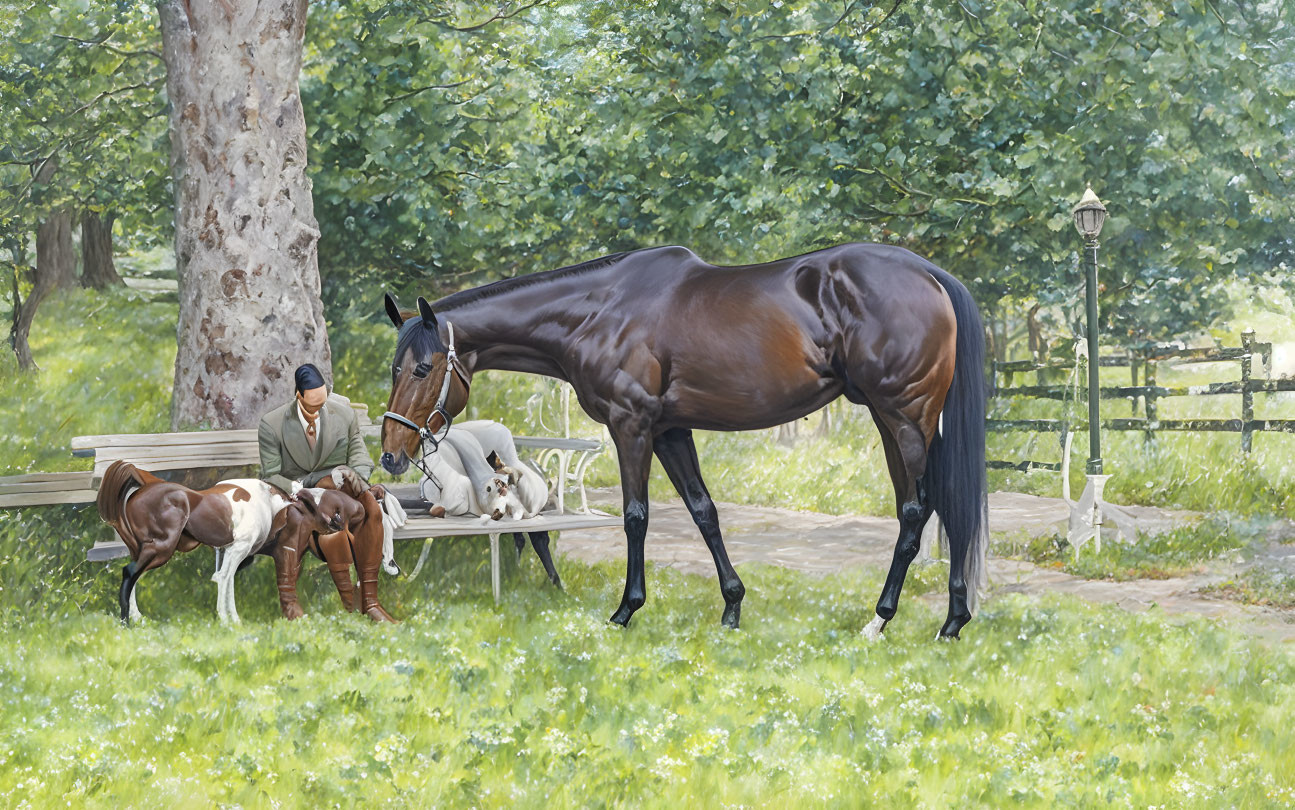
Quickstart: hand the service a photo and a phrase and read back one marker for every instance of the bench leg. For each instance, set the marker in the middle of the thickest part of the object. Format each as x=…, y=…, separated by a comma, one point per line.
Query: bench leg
x=494, y=565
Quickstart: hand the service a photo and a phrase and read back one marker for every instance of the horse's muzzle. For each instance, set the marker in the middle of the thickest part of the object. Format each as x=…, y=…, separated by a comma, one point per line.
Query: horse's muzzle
x=395, y=465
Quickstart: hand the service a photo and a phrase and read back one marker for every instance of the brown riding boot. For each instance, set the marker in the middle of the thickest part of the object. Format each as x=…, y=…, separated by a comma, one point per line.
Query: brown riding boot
x=341, y=574
x=336, y=550
x=287, y=568
x=367, y=546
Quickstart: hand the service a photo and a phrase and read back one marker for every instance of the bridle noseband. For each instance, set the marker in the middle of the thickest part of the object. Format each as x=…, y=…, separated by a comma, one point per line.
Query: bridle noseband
x=425, y=435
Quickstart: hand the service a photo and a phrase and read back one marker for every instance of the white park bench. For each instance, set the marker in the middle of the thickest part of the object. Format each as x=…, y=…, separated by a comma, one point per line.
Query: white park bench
x=565, y=458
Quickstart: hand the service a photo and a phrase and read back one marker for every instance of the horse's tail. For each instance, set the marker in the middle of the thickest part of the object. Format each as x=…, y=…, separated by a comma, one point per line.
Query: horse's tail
x=955, y=466
x=119, y=480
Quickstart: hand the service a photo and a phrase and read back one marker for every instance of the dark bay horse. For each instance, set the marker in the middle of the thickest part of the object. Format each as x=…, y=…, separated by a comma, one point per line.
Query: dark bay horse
x=657, y=343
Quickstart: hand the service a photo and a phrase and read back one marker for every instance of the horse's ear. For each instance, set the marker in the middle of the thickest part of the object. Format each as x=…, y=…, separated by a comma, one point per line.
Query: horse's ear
x=393, y=311
x=425, y=310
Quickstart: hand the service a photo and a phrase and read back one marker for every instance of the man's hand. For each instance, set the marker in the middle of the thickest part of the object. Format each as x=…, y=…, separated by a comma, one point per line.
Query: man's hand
x=348, y=480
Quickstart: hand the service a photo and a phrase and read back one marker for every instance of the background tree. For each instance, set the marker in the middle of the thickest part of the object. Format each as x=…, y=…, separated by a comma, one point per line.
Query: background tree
x=80, y=139
x=750, y=130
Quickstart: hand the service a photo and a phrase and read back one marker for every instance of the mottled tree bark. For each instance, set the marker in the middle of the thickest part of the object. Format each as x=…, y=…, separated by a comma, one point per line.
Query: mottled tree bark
x=246, y=240
x=97, y=268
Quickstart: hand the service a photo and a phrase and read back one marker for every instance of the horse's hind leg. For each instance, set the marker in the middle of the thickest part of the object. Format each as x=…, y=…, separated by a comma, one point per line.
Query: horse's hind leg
x=906, y=458
x=540, y=542
x=678, y=456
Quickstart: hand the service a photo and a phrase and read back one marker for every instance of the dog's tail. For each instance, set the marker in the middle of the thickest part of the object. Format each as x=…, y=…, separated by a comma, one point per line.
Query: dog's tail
x=119, y=481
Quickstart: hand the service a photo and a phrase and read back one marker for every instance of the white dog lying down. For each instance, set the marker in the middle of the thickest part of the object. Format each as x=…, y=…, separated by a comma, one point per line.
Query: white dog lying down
x=494, y=494
x=498, y=439
x=464, y=484
x=460, y=459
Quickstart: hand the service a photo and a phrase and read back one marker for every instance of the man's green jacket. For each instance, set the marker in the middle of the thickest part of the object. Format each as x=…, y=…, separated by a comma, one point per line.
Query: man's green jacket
x=286, y=455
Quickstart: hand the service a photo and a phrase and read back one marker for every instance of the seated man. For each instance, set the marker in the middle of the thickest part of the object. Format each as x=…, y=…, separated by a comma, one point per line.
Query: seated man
x=304, y=440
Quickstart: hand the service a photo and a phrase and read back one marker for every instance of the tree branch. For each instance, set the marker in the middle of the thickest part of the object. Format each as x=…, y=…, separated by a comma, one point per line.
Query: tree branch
x=502, y=14
x=411, y=93
x=104, y=43
x=849, y=8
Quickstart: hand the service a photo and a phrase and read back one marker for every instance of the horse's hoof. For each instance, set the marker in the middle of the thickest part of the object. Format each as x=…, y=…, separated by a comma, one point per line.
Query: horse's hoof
x=732, y=616
x=557, y=583
x=621, y=617
x=941, y=636
x=873, y=631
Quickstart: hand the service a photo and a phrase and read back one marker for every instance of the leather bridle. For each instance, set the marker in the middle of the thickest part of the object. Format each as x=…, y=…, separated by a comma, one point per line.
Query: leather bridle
x=425, y=435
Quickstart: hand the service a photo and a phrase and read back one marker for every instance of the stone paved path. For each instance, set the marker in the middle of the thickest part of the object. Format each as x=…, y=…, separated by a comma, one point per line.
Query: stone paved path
x=818, y=543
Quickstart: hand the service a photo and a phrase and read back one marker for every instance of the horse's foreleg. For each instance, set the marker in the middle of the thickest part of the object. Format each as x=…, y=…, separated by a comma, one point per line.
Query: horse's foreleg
x=678, y=455
x=634, y=450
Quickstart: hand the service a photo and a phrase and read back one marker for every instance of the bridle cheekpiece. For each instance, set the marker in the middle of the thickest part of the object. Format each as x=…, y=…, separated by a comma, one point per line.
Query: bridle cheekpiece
x=425, y=435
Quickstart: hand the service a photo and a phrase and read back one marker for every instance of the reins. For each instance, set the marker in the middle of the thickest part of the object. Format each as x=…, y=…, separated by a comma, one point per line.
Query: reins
x=425, y=435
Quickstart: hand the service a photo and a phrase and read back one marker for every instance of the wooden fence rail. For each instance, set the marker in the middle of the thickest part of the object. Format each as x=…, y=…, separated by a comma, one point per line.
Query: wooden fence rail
x=1148, y=359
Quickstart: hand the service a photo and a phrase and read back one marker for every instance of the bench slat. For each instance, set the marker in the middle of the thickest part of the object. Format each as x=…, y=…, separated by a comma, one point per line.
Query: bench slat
x=31, y=478
x=49, y=498
x=161, y=439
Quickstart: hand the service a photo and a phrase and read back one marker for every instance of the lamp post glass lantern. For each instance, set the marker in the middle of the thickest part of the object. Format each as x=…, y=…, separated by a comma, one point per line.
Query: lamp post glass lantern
x=1090, y=215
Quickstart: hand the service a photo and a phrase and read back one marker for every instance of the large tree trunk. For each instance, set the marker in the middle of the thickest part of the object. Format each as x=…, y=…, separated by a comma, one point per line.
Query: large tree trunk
x=246, y=240
x=97, y=268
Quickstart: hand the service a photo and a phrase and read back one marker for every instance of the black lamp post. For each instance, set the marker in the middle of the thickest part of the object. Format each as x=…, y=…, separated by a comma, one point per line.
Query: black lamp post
x=1090, y=215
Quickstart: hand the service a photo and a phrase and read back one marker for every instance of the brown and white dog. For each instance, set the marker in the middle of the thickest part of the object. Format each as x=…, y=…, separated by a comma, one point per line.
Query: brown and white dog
x=157, y=518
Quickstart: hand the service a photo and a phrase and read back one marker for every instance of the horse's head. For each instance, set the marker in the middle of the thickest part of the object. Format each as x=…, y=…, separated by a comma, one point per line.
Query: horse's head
x=426, y=389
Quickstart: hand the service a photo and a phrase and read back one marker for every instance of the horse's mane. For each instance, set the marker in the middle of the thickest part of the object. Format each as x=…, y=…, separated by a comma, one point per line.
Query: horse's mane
x=475, y=294
x=424, y=342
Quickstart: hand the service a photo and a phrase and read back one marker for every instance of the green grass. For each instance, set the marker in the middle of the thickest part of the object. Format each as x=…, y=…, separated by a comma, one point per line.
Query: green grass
x=1172, y=553
x=540, y=702
x=1258, y=586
